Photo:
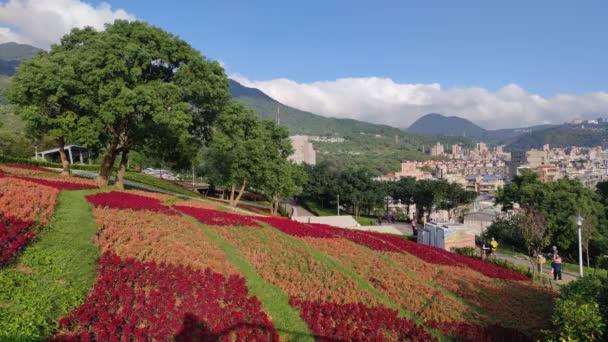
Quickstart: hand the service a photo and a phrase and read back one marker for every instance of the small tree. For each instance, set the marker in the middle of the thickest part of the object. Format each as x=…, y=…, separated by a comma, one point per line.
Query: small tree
x=535, y=233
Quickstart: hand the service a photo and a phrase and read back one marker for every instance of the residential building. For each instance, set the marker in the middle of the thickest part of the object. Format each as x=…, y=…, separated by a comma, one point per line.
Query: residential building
x=535, y=158
x=437, y=150
x=486, y=184
x=548, y=173
x=303, y=151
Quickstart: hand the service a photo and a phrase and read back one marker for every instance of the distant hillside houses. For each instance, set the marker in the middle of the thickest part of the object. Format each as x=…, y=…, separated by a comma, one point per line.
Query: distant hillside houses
x=588, y=164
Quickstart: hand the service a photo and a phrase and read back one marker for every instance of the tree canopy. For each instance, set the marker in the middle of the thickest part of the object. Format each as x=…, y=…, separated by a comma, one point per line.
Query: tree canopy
x=559, y=202
x=132, y=86
x=250, y=152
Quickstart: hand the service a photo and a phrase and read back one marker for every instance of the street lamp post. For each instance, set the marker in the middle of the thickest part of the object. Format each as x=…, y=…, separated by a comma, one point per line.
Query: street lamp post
x=579, y=223
x=338, y=204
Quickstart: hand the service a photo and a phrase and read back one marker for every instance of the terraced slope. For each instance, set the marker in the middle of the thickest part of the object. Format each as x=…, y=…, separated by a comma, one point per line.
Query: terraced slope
x=183, y=270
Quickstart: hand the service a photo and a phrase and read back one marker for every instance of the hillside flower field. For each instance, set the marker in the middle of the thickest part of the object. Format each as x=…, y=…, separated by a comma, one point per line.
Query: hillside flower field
x=168, y=269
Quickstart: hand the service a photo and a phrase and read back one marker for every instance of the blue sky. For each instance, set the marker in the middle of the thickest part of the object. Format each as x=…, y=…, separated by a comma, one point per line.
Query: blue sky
x=499, y=64
x=546, y=47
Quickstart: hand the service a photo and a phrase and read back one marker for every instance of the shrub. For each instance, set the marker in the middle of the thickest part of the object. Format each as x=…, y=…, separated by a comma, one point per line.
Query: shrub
x=577, y=322
x=582, y=310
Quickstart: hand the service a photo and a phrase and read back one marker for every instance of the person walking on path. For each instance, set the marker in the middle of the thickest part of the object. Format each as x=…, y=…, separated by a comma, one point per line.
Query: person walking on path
x=414, y=227
x=557, y=267
x=493, y=247
x=540, y=261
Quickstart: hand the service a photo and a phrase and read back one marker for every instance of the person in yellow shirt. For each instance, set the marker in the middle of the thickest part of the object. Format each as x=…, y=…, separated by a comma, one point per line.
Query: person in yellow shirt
x=493, y=247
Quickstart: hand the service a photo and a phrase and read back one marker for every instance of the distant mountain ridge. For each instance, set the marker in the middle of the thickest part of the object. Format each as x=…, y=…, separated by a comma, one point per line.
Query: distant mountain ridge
x=435, y=123
x=302, y=122
x=439, y=124
x=12, y=54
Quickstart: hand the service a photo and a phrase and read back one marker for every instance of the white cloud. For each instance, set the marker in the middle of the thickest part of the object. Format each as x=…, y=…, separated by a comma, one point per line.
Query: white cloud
x=44, y=22
x=381, y=100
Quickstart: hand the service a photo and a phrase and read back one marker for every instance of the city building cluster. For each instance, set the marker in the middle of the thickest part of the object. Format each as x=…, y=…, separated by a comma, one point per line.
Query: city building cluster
x=480, y=169
x=484, y=170
x=588, y=164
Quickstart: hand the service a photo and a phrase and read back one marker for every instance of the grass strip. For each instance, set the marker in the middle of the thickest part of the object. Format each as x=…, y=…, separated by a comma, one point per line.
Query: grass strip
x=275, y=302
x=54, y=274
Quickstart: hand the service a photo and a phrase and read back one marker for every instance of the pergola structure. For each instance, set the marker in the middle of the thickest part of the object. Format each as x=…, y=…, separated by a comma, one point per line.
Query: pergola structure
x=74, y=152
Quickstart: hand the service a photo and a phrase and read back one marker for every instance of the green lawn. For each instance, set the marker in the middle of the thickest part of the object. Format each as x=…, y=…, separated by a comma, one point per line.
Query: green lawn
x=366, y=221
x=586, y=270
x=54, y=274
x=315, y=209
x=161, y=184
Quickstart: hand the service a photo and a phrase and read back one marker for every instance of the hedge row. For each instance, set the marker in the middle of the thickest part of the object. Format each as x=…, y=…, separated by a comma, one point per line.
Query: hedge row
x=25, y=161
x=154, y=182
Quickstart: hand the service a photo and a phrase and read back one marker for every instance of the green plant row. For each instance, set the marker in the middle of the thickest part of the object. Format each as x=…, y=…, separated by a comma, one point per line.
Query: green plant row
x=44, y=163
x=161, y=184
x=54, y=274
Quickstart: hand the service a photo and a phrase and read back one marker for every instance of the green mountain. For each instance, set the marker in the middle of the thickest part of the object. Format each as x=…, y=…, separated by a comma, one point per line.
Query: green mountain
x=301, y=122
x=379, y=147
x=562, y=136
x=12, y=51
x=11, y=54
x=439, y=124
x=435, y=123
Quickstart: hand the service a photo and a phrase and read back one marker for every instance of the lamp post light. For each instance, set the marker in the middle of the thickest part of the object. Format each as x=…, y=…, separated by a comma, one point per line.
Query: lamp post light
x=579, y=223
x=338, y=204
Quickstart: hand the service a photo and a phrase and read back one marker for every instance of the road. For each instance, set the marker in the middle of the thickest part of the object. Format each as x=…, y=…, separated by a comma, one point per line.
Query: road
x=296, y=209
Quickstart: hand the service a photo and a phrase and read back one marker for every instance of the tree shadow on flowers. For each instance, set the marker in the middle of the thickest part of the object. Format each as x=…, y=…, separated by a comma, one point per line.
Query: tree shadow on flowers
x=194, y=329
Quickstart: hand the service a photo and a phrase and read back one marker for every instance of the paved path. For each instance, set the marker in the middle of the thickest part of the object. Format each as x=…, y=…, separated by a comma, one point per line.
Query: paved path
x=567, y=277
x=296, y=209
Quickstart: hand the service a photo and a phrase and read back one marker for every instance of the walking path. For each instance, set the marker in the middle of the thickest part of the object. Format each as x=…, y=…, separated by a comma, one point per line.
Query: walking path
x=567, y=277
x=294, y=209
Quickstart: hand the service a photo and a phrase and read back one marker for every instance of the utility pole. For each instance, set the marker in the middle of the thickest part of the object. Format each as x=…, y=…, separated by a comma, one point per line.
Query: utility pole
x=192, y=174
x=278, y=111
x=338, y=204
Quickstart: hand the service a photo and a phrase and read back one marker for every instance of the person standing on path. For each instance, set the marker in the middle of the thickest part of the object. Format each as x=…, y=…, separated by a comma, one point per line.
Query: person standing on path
x=540, y=261
x=493, y=247
x=414, y=227
x=557, y=267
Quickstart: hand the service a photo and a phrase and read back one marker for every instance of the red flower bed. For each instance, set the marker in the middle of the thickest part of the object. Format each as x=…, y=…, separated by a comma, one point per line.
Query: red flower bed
x=217, y=218
x=14, y=235
x=59, y=185
x=357, y=322
x=135, y=301
x=388, y=243
x=442, y=257
x=298, y=229
x=462, y=331
x=124, y=200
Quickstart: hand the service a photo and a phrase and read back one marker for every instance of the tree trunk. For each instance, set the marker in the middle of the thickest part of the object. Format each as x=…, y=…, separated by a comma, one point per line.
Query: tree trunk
x=65, y=164
x=231, y=201
x=108, y=163
x=124, y=158
x=238, y=198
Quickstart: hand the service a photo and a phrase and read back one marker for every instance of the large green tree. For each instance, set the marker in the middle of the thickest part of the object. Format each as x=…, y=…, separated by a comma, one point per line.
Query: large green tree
x=559, y=202
x=358, y=190
x=246, y=151
x=51, y=95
